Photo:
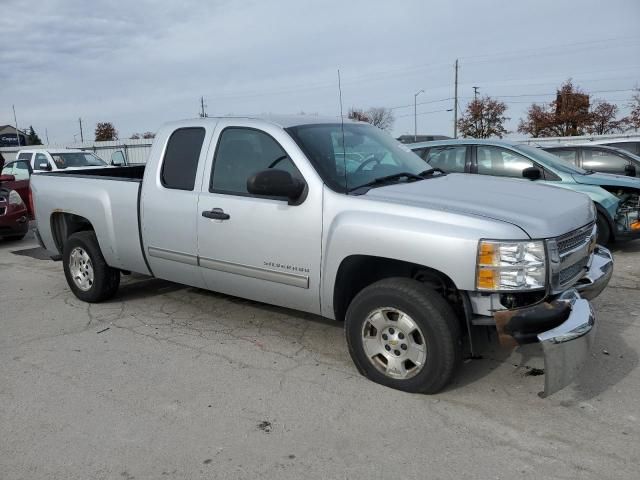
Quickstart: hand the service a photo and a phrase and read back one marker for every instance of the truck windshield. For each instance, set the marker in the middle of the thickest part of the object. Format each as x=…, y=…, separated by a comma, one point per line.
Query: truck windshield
x=77, y=159
x=365, y=154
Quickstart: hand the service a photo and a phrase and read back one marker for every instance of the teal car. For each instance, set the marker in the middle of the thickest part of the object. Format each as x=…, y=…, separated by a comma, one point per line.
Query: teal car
x=616, y=197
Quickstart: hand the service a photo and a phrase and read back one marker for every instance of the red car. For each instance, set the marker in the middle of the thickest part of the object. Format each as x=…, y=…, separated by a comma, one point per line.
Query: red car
x=14, y=218
x=15, y=176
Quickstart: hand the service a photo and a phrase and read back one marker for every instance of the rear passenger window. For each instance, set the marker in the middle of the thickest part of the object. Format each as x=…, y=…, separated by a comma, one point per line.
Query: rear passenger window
x=568, y=155
x=181, y=158
x=449, y=159
x=243, y=152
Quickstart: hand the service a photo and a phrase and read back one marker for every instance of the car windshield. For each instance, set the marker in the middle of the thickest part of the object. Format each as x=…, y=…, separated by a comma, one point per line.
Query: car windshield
x=363, y=155
x=551, y=160
x=77, y=159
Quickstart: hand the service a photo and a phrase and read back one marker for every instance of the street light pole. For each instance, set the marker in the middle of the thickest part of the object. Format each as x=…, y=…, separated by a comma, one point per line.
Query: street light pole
x=415, y=115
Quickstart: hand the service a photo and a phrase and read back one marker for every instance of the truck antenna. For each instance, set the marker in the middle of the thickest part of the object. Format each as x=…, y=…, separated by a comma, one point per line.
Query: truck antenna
x=344, y=151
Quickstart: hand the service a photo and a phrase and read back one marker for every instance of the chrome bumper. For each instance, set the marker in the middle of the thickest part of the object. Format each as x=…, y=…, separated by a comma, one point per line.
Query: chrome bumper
x=568, y=321
x=598, y=275
x=567, y=346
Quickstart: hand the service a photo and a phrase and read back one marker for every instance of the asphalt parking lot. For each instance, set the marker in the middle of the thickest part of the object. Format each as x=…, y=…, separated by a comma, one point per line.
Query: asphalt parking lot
x=167, y=381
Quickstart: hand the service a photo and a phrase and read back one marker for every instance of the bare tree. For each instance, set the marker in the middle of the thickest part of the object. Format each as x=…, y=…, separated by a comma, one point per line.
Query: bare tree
x=483, y=118
x=381, y=117
x=148, y=135
x=378, y=116
x=603, y=119
x=105, y=131
x=135, y=136
x=633, y=120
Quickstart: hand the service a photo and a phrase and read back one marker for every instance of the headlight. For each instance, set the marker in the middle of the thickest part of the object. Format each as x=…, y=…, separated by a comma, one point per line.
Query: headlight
x=14, y=198
x=511, y=266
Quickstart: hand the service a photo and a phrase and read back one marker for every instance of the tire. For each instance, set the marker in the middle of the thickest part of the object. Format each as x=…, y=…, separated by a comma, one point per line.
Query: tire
x=437, y=328
x=97, y=281
x=604, y=231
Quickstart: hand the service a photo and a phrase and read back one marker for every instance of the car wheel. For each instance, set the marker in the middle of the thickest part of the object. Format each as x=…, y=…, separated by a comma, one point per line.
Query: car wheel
x=403, y=335
x=604, y=231
x=88, y=275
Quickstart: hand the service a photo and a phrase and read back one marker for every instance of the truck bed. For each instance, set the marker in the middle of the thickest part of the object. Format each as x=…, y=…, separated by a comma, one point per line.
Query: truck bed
x=108, y=198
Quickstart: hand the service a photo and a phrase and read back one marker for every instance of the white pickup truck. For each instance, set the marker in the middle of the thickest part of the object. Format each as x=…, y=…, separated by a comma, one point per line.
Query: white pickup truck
x=340, y=220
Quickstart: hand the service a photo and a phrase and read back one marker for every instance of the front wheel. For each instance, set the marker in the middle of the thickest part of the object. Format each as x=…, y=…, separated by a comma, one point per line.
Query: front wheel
x=87, y=273
x=403, y=335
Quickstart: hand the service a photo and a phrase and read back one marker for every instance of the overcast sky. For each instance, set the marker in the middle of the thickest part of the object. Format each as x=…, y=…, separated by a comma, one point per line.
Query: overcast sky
x=141, y=63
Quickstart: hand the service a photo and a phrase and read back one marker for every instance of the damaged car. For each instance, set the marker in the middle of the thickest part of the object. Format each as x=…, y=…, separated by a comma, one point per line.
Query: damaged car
x=616, y=197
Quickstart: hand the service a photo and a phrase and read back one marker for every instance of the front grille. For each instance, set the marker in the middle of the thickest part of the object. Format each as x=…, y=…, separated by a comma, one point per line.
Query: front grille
x=570, y=272
x=574, y=239
x=569, y=256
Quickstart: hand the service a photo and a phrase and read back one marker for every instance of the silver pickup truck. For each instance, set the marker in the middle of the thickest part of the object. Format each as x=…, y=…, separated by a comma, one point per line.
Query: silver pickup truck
x=340, y=220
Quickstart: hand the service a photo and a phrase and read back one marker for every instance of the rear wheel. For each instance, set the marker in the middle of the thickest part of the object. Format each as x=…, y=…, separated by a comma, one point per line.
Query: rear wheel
x=403, y=335
x=604, y=231
x=87, y=273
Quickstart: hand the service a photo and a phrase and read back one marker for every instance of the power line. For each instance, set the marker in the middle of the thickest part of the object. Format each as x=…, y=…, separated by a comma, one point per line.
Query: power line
x=424, y=113
x=599, y=42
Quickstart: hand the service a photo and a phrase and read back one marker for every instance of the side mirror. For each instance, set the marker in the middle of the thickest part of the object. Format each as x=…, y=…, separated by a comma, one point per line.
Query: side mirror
x=630, y=170
x=7, y=178
x=117, y=159
x=44, y=166
x=532, y=173
x=275, y=183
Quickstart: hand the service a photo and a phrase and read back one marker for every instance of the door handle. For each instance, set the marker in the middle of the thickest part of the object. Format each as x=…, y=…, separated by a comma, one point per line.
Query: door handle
x=216, y=214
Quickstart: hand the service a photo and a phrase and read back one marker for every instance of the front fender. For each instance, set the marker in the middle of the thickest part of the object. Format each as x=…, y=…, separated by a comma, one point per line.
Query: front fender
x=443, y=241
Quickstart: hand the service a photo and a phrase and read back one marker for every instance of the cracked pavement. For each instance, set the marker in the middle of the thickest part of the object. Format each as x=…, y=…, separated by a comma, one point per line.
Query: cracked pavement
x=167, y=381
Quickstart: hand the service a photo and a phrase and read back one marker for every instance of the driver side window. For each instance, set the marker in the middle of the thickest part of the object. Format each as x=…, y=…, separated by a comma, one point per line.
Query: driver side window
x=501, y=162
x=40, y=159
x=243, y=152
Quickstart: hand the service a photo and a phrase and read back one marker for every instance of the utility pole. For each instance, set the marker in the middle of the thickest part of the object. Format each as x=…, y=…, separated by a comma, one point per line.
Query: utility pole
x=81, y=136
x=455, y=104
x=415, y=115
x=16, y=122
x=203, y=114
x=46, y=134
x=475, y=93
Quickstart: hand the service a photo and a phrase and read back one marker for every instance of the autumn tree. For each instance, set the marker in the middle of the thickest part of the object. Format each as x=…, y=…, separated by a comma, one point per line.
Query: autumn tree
x=568, y=115
x=32, y=137
x=105, y=131
x=377, y=116
x=603, y=119
x=483, y=118
x=633, y=120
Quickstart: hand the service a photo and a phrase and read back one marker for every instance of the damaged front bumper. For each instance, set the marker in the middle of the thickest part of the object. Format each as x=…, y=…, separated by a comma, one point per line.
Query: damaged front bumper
x=564, y=326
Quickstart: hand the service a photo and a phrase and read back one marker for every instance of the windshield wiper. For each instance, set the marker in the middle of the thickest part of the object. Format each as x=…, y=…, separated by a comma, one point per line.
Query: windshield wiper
x=391, y=178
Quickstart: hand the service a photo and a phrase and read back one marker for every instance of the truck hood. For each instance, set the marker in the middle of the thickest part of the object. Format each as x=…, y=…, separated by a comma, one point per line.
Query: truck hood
x=607, y=179
x=542, y=211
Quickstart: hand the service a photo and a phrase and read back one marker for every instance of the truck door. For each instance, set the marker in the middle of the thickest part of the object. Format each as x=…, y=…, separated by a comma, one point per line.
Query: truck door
x=21, y=170
x=169, y=203
x=259, y=248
